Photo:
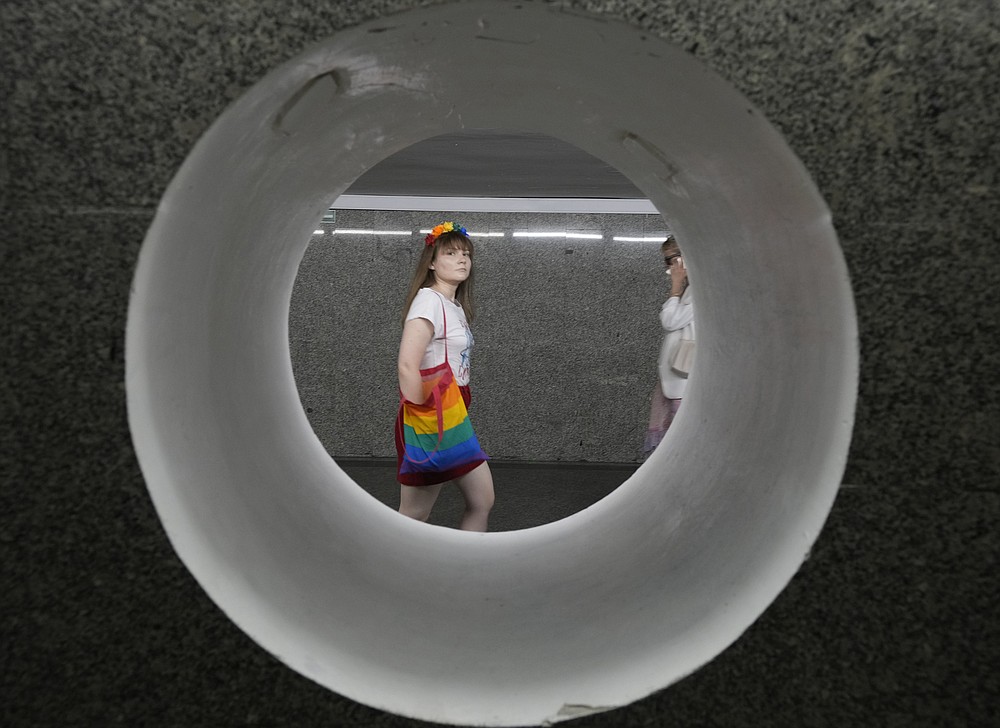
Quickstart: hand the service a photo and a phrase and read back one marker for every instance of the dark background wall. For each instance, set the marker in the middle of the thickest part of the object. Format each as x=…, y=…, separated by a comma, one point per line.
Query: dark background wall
x=892, y=106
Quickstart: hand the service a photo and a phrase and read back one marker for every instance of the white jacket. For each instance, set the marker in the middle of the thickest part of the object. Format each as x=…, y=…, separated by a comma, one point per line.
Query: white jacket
x=677, y=318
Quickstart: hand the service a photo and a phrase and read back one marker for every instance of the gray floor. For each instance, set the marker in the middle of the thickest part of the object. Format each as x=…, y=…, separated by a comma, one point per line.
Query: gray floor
x=527, y=494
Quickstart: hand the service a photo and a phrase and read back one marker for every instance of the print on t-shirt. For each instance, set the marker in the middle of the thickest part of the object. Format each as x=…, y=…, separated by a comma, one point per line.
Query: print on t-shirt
x=463, y=367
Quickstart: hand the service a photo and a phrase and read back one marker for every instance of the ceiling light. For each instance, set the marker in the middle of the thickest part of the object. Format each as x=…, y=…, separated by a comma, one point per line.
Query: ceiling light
x=654, y=239
x=350, y=231
x=561, y=234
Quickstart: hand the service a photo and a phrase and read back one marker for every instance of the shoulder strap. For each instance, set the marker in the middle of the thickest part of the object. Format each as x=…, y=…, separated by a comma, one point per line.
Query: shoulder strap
x=444, y=314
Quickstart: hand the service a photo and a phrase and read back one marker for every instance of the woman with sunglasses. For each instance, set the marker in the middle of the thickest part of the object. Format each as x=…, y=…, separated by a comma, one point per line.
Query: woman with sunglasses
x=677, y=319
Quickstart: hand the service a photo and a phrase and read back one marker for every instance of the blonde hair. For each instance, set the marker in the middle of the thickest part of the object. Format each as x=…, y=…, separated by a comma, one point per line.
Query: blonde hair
x=670, y=244
x=423, y=276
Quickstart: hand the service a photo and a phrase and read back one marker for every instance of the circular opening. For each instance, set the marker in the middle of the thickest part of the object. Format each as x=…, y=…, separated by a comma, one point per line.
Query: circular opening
x=593, y=611
x=563, y=412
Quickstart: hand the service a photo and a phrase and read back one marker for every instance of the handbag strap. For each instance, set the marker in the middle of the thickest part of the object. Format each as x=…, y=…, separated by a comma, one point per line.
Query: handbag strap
x=444, y=315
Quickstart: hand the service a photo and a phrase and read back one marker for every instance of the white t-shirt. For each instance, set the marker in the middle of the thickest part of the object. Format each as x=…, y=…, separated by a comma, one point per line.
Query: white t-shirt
x=427, y=304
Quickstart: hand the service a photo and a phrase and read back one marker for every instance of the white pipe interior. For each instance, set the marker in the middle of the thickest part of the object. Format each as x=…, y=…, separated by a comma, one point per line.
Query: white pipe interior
x=521, y=627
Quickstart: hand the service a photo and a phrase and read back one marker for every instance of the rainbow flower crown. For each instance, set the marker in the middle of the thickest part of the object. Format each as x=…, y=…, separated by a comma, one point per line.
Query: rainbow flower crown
x=445, y=227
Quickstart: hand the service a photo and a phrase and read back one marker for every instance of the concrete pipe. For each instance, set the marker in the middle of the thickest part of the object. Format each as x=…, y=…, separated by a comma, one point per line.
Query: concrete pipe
x=523, y=627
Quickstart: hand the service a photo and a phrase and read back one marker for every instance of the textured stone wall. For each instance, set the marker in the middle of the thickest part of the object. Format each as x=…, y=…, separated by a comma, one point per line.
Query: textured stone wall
x=891, y=105
x=567, y=333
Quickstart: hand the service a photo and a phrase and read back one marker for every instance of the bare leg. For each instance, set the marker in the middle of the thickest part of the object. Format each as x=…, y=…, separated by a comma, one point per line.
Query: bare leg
x=417, y=501
x=661, y=415
x=477, y=489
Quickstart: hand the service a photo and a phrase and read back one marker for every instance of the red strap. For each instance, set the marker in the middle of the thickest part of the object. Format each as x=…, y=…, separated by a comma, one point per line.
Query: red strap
x=444, y=314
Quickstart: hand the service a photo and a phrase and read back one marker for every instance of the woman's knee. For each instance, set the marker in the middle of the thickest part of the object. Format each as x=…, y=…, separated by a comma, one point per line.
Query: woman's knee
x=481, y=501
x=417, y=502
x=477, y=488
x=415, y=511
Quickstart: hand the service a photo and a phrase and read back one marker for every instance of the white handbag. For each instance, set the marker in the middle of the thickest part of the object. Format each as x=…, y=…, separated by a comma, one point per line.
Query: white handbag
x=683, y=359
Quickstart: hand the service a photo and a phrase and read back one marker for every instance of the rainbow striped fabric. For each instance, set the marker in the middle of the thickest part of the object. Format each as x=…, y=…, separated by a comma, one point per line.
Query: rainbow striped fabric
x=438, y=434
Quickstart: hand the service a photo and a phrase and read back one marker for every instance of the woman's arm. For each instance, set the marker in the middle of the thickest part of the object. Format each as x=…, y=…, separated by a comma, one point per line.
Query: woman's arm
x=677, y=313
x=417, y=334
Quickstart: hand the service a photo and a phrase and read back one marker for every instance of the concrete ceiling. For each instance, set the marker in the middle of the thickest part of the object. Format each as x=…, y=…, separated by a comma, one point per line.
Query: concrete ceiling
x=494, y=163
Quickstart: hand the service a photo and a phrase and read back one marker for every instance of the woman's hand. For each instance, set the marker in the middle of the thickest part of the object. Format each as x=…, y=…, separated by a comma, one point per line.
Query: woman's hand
x=678, y=276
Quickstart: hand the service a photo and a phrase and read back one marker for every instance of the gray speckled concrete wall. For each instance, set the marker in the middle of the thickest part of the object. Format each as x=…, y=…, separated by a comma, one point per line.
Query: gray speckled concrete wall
x=566, y=333
x=891, y=105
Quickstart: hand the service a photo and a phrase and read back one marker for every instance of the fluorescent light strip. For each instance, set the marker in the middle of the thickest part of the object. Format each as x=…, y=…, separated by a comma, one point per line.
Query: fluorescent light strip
x=575, y=236
x=496, y=204
x=349, y=231
x=319, y=232
x=654, y=239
